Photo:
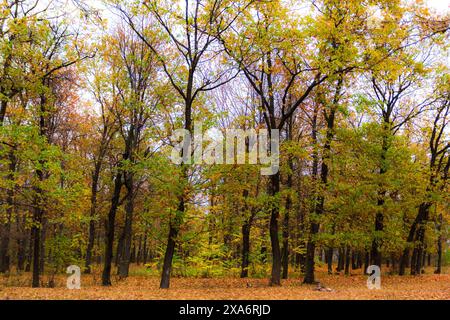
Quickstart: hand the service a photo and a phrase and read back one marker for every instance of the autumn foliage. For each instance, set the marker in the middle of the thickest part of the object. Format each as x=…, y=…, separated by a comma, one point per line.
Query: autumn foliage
x=358, y=90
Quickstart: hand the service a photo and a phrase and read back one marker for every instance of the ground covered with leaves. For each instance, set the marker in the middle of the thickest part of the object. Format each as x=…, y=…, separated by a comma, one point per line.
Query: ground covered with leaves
x=141, y=287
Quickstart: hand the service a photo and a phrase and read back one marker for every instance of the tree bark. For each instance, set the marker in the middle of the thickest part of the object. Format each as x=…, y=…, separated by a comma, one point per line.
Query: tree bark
x=94, y=192
x=275, y=279
x=124, y=263
x=347, y=261
x=375, y=255
x=110, y=229
x=330, y=260
x=171, y=243
x=6, y=232
x=439, y=246
x=245, y=249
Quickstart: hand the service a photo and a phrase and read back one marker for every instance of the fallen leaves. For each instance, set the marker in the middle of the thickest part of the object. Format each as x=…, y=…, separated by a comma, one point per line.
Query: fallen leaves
x=424, y=287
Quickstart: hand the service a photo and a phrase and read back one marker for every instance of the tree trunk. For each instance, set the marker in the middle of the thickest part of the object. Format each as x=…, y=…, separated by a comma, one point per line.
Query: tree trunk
x=341, y=260
x=275, y=279
x=110, y=229
x=124, y=263
x=175, y=225
x=94, y=192
x=439, y=246
x=300, y=256
x=416, y=262
x=245, y=249
x=376, y=243
x=38, y=215
x=289, y=184
x=375, y=255
x=354, y=260
x=145, y=253
x=347, y=261
x=119, y=250
x=42, y=248
x=36, y=236
x=171, y=243
x=423, y=212
x=285, y=251
x=22, y=242
x=5, y=234
x=139, y=251
x=5, y=237
x=314, y=226
x=30, y=251
x=330, y=260
x=366, y=262
x=310, y=254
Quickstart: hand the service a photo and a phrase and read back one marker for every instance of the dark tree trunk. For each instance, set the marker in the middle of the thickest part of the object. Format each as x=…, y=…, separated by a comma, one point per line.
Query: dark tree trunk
x=439, y=246
x=341, y=260
x=174, y=226
x=423, y=213
x=91, y=240
x=110, y=229
x=285, y=251
x=22, y=242
x=119, y=250
x=139, y=251
x=424, y=260
x=30, y=251
x=145, y=252
x=38, y=228
x=42, y=249
x=310, y=254
x=245, y=249
x=347, y=261
x=314, y=226
x=170, y=250
x=90, y=246
x=360, y=263
x=354, y=260
x=289, y=184
x=414, y=262
x=133, y=253
x=300, y=256
x=5, y=233
x=417, y=261
x=330, y=260
x=3, y=107
x=125, y=258
x=274, y=190
x=36, y=236
x=246, y=229
x=376, y=243
x=36, y=233
x=171, y=243
x=5, y=230
x=99, y=257
x=366, y=262
x=375, y=255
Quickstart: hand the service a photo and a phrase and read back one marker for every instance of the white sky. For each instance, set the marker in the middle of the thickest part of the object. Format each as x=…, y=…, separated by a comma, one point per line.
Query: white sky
x=440, y=5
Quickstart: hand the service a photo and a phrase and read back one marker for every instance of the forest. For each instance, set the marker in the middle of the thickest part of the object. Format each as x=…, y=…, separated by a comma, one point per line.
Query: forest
x=94, y=95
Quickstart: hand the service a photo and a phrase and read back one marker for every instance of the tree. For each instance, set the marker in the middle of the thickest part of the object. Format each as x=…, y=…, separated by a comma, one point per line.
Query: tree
x=182, y=57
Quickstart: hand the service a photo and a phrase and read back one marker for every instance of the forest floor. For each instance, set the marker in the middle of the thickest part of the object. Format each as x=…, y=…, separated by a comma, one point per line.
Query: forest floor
x=140, y=287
